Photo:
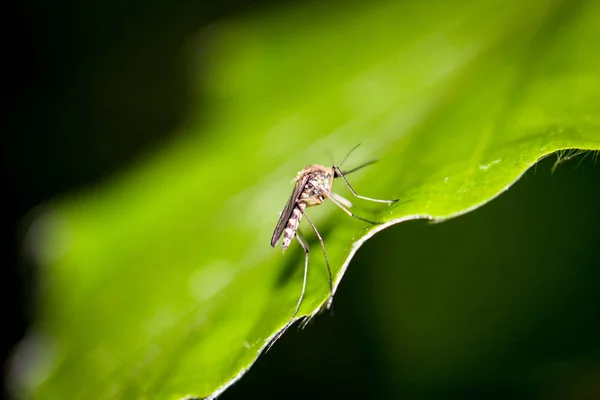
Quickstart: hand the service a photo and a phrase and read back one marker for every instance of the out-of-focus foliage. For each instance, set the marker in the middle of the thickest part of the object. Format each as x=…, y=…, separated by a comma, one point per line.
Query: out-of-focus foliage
x=161, y=283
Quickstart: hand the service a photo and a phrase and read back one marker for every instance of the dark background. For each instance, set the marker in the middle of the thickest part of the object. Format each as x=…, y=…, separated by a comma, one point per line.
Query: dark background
x=501, y=303
x=93, y=86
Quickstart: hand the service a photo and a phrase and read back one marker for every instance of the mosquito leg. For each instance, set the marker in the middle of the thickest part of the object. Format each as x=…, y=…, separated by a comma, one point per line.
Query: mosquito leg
x=341, y=175
x=330, y=301
x=285, y=328
x=305, y=247
x=350, y=213
x=347, y=203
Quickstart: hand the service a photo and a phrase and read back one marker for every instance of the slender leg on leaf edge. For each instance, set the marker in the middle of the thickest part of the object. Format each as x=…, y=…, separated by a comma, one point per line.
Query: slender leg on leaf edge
x=291, y=321
x=350, y=213
x=341, y=175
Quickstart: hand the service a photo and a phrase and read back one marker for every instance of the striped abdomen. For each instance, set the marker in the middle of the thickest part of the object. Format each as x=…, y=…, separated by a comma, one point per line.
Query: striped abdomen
x=292, y=225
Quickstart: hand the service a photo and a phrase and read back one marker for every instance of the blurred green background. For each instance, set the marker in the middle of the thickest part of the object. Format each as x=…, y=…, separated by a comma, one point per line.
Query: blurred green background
x=499, y=303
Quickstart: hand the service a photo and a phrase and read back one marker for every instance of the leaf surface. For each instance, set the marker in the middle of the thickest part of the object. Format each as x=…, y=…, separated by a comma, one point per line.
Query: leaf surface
x=161, y=284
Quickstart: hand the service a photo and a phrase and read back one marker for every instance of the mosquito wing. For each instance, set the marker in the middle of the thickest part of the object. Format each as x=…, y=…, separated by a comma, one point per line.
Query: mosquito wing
x=287, y=211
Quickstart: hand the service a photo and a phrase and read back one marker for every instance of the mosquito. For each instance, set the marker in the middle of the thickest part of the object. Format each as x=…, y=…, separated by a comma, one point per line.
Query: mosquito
x=312, y=186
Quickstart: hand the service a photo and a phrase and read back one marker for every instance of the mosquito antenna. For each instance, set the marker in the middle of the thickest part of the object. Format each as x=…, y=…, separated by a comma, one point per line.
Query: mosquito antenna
x=359, y=167
x=347, y=155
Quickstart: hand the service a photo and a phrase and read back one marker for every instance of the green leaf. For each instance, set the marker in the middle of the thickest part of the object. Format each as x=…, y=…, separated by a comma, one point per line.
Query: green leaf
x=161, y=284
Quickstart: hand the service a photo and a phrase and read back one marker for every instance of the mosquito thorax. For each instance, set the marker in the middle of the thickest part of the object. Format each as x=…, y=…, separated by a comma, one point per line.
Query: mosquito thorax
x=314, y=169
x=320, y=180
